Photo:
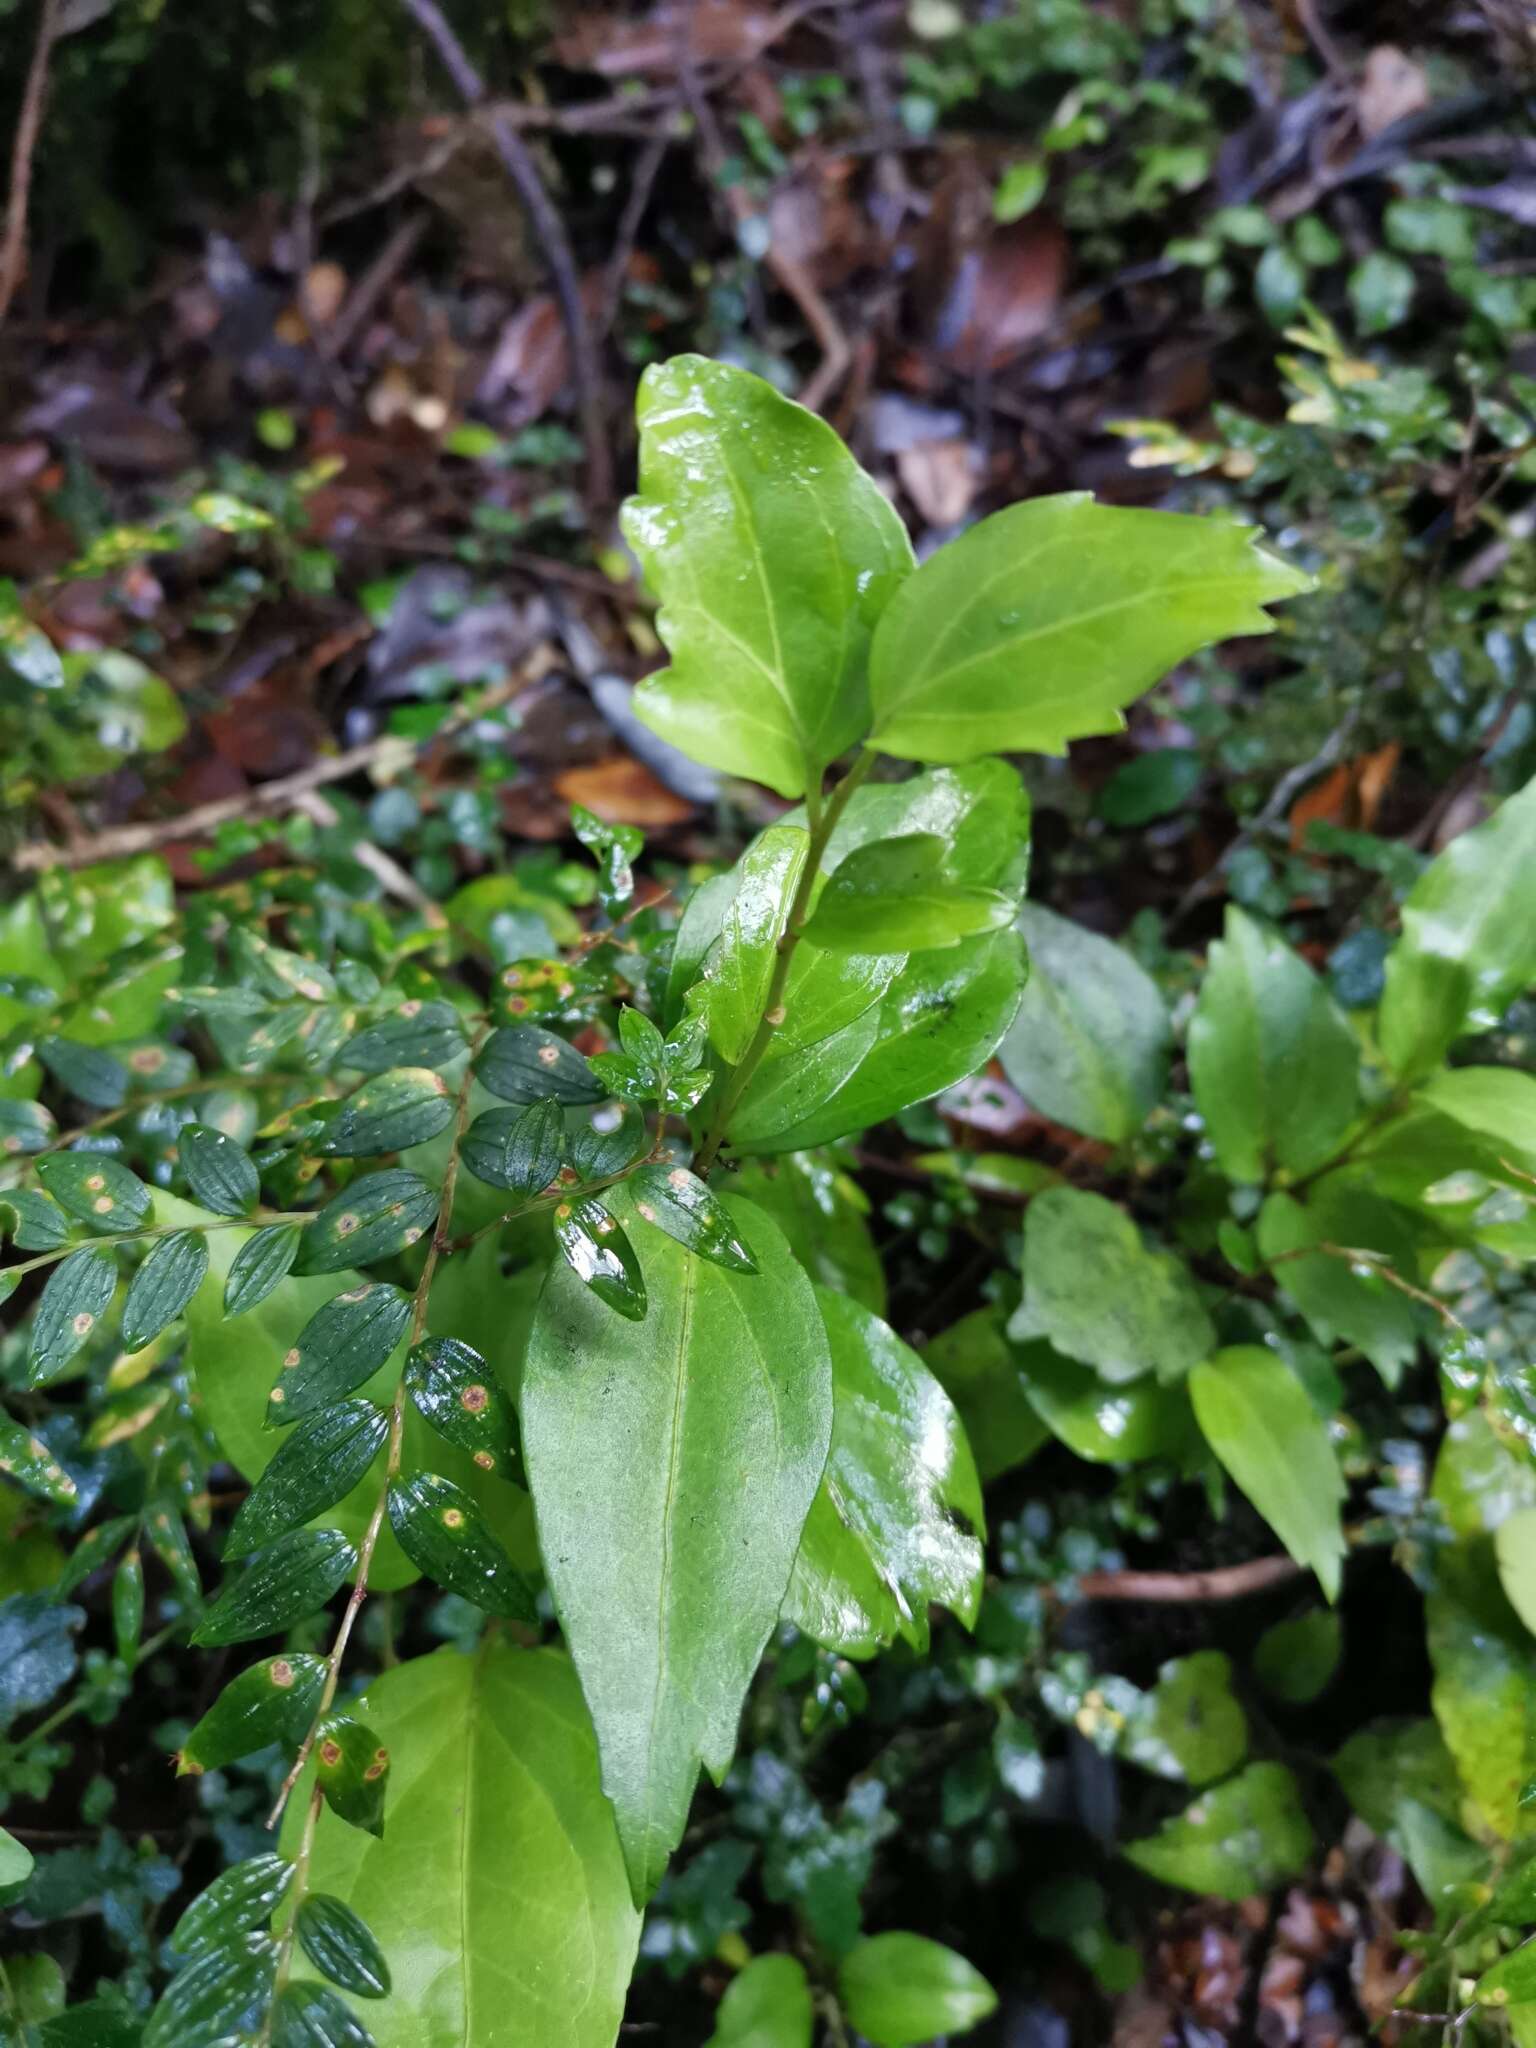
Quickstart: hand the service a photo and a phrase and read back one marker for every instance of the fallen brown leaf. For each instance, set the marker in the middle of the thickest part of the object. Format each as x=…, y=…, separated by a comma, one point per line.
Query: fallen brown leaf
x=623, y=791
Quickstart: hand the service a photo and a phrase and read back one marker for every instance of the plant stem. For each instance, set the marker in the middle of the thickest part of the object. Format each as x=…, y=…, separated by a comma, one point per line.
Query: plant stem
x=822, y=820
x=256, y=1221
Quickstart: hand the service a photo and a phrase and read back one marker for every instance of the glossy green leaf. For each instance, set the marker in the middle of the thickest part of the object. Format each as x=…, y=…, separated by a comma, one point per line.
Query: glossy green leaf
x=939, y=1022
x=25, y=1128
x=316, y=1466
x=602, y=1149
x=100, y=1191
x=899, y=896
x=1344, y=1300
x=678, y=1202
x=340, y=1346
x=732, y=993
x=261, y=1263
x=1514, y=1546
x=1469, y=941
x=1484, y=1662
x=900, y=1989
x=523, y=1063
x=667, y=1583
x=822, y=1212
x=128, y=1607
x=28, y=1460
x=1192, y=1726
x=273, y=1701
x=219, y=1172
x=980, y=811
x=1257, y=1418
x=418, y=1034
x=1295, y=1659
x=91, y=1075
x=310, y=2016
x=976, y=1366
x=163, y=1285
x=1497, y=1103
x=497, y=1890
x=897, y=1522
x=767, y=2006
x=519, y=1149
x=297, y=1574
x=1107, y=1424
x=217, y=1997
x=16, y=1861
x=1101, y=1295
x=441, y=1529
x=1089, y=1046
x=456, y=1391
x=772, y=555
x=241, y=1900
x=597, y=1250
x=33, y=1221
x=76, y=1297
x=1037, y=625
x=352, y=1768
x=389, y=1113
x=339, y=1944
x=1238, y=1838
x=376, y=1216
x=1511, y=1980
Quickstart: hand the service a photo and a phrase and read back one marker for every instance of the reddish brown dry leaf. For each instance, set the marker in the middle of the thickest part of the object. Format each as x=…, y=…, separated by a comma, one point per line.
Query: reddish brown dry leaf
x=1002, y=295
x=1392, y=87
x=1349, y=796
x=815, y=223
x=940, y=477
x=711, y=32
x=623, y=791
x=530, y=366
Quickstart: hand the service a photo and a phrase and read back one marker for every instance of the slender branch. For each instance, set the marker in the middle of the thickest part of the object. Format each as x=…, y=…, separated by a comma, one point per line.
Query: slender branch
x=252, y=1222
x=24, y=147
x=1224, y=1582
x=822, y=821
x=518, y=163
x=1377, y=1261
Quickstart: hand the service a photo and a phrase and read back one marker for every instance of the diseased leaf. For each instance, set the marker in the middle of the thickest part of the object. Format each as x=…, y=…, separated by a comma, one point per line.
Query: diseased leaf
x=522, y=1063
x=897, y=1521
x=1257, y=1418
x=219, y=1172
x=1273, y=1064
x=262, y=1262
x=678, y=1202
x=316, y=1466
x=128, y=1607
x=1037, y=625
x=76, y=1297
x=597, y=1250
x=339, y=1944
x=273, y=1701
x=441, y=1529
x=772, y=555
x=519, y=1149
x=388, y=1114
x=376, y=1216
x=25, y=1128
x=35, y=1223
x=453, y=1387
x=28, y=1460
x=162, y=1286
x=240, y=1900
x=900, y=1989
x=352, y=1770
x=668, y=1582
x=100, y=1191
x=900, y=896
x=1237, y=1838
x=1089, y=1046
x=290, y=1579
x=418, y=1034
x=340, y=1346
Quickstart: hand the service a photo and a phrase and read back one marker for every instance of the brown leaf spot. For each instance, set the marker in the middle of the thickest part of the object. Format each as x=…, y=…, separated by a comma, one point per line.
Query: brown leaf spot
x=453, y=1518
x=83, y=1323
x=548, y=1055
x=330, y=1753
x=103, y=1205
x=485, y=1461
x=476, y=1398
x=280, y=1671
x=291, y=1358
x=346, y=1223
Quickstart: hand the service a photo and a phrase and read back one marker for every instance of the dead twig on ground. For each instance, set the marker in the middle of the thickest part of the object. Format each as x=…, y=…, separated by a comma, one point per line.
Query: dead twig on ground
x=13, y=249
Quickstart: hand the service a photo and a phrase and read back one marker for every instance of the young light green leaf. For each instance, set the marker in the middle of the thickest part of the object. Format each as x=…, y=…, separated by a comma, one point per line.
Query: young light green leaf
x=76, y=1297
x=389, y=1113
x=678, y=1202
x=280, y=972
x=219, y=1172
x=1237, y=1838
x=897, y=1521
x=598, y=1251
x=218, y=1997
x=668, y=1584
x=25, y=1127
x=733, y=992
x=522, y=1063
x=240, y=1900
x=340, y=1346
x=1257, y=1418
x=501, y=1741
x=1102, y=1296
x=311, y=2016
x=297, y=1574
x=318, y=1465
x=352, y=1770
x=1108, y=1425
x=99, y=1191
x=822, y=1212
x=1089, y=1046
x=376, y=1216
x=442, y=1530
x=980, y=811
x=772, y=555
x=1469, y=941
x=1496, y=1103
x=977, y=1367
x=900, y=1989
x=418, y=1034
x=767, y=2006
x=338, y=1943
x=28, y=1460
x=1484, y=1663
x=899, y=896
x=273, y=1701
x=518, y=1149
x=1342, y=1299
x=1274, y=1066
x=261, y=1263
x=88, y=1072
x=1037, y=625
x=453, y=1387
x=163, y=1285
x=1294, y=1659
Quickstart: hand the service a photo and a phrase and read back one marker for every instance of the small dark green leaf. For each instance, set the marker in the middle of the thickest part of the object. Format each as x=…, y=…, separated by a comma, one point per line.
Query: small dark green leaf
x=597, y=1153
x=679, y=1203
x=310, y=2016
x=219, y=1172
x=340, y=1346
x=442, y=1530
x=461, y=1397
x=167, y=1534
x=897, y=896
x=598, y=1252
x=239, y=1901
x=1150, y=786
x=520, y=1149
x=222, y=1994
x=314, y=1468
x=28, y=1460
x=379, y=1214
x=163, y=1285
x=99, y=1191
x=390, y=1113
x=340, y=1946
x=87, y=1072
x=273, y=1701
x=76, y=1297
x=298, y=1574
x=522, y=1063
x=128, y=1607
x=25, y=1127
x=261, y=1263
x=33, y=1222
x=92, y=1551
x=351, y=1767
x=417, y=1035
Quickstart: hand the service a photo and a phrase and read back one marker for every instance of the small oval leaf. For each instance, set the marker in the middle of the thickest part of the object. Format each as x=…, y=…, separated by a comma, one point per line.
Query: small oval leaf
x=520, y=1149
x=523, y=1063
x=219, y=1171
x=416, y=1035
x=388, y=1114
x=338, y=1943
x=378, y=1215
x=457, y=1392
x=239, y=1901
x=76, y=1297
x=100, y=1191
x=351, y=1766
x=310, y=2016
x=342, y=1344
x=261, y=1264
x=222, y=1994
x=28, y=1460
x=441, y=1529
x=163, y=1285
x=273, y=1701
x=679, y=1203
x=298, y=1574
x=598, y=1252
x=318, y=1465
